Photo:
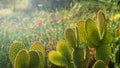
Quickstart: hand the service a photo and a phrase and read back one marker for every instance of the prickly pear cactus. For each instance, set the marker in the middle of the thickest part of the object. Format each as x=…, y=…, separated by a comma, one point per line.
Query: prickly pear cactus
x=71, y=37
x=36, y=46
x=34, y=59
x=103, y=53
x=62, y=55
x=78, y=57
x=101, y=23
x=14, y=49
x=99, y=64
x=22, y=59
x=96, y=35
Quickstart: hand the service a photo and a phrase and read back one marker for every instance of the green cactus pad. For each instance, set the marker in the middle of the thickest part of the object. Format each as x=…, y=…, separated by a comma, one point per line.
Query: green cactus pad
x=99, y=64
x=101, y=22
x=57, y=58
x=14, y=49
x=103, y=52
x=64, y=49
x=22, y=59
x=92, y=32
x=78, y=56
x=81, y=31
x=39, y=47
x=34, y=59
x=107, y=39
x=82, y=34
x=70, y=37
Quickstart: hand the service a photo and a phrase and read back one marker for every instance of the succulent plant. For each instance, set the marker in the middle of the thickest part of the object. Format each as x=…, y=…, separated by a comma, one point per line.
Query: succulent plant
x=96, y=35
x=62, y=55
x=21, y=58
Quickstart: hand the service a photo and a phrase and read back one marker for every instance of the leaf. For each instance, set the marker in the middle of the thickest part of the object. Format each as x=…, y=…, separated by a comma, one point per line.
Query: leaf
x=57, y=58
x=34, y=59
x=64, y=49
x=70, y=37
x=99, y=64
x=92, y=32
x=14, y=49
x=22, y=59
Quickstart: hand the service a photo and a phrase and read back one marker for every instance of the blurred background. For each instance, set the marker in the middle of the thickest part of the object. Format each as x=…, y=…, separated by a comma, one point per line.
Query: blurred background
x=45, y=21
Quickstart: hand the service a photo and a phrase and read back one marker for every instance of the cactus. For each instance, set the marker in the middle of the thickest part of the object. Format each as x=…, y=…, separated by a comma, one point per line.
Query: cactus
x=21, y=58
x=14, y=49
x=57, y=58
x=34, y=59
x=62, y=55
x=78, y=56
x=99, y=64
x=71, y=38
x=96, y=36
x=41, y=49
x=103, y=53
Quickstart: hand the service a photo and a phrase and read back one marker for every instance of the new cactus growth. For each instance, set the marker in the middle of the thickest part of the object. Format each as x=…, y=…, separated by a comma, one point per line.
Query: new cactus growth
x=21, y=58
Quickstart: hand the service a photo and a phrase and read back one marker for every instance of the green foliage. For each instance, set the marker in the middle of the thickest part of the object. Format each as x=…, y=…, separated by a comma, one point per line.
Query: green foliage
x=96, y=36
x=99, y=64
x=62, y=54
x=68, y=52
x=117, y=56
x=57, y=58
x=71, y=37
x=14, y=49
x=78, y=56
x=103, y=52
x=21, y=58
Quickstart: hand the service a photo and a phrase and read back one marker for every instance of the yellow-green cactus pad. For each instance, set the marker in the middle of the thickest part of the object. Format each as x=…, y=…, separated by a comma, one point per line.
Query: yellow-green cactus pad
x=34, y=59
x=82, y=34
x=14, y=49
x=70, y=37
x=37, y=46
x=22, y=59
x=64, y=49
x=92, y=32
x=99, y=64
x=57, y=58
x=101, y=22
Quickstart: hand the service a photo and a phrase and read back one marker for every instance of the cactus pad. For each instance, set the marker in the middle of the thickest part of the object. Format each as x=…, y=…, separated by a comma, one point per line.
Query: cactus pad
x=14, y=49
